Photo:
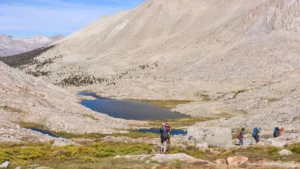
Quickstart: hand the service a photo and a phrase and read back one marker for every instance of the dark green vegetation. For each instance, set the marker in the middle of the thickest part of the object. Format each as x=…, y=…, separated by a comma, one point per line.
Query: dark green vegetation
x=24, y=58
x=87, y=155
x=100, y=155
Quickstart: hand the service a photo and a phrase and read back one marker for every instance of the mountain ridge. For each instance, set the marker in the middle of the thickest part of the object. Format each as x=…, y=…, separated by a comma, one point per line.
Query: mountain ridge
x=12, y=46
x=217, y=51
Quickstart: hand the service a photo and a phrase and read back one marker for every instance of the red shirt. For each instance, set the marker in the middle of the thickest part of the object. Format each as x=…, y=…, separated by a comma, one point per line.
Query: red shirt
x=169, y=128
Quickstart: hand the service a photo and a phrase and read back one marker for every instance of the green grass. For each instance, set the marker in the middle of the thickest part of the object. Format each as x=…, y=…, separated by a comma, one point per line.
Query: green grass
x=31, y=125
x=272, y=100
x=14, y=110
x=30, y=153
x=90, y=116
x=238, y=92
x=168, y=104
x=295, y=148
x=182, y=122
x=100, y=154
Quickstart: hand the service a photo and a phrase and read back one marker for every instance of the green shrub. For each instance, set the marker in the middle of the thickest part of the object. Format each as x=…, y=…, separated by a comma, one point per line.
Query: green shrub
x=295, y=148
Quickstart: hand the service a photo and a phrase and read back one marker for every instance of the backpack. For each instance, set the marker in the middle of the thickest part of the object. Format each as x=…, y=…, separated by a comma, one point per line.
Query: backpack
x=255, y=131
x=239, y=136
x=276, y=132
x=164, y=132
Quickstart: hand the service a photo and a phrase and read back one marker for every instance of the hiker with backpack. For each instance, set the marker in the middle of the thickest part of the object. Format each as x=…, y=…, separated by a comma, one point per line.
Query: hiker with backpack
x=256, y=133
x=164, y=136
x=241, y=137
x=278, y=132
x=169, y=130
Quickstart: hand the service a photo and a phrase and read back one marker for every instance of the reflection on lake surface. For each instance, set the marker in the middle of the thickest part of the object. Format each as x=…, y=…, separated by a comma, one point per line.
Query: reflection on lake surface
x=127, y=109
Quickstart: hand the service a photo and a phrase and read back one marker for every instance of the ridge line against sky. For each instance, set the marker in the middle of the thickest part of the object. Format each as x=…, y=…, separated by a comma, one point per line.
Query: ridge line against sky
x=25, y=18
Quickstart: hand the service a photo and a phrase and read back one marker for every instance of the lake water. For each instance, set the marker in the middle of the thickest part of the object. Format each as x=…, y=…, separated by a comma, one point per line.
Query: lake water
x=43, y=132
x=156, y=131
x=127, y=109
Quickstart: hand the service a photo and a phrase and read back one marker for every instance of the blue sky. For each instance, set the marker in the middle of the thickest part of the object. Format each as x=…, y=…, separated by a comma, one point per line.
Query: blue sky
x=23, y=18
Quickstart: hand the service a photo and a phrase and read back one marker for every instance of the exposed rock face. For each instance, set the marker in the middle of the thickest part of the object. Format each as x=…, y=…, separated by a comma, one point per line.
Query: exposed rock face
x=12, y=46
x=24, y=98
x=162, y=158
x=285, y=152
x=221, y=161
x=60, y=142
x=5, y=164
x=218, y=137
x=237, y=161
x=243, y=59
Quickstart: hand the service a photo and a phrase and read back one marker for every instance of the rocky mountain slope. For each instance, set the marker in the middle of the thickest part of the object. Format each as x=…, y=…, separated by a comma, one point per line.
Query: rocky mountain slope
x=26, y=99
x=12, y=46
x=235, y=57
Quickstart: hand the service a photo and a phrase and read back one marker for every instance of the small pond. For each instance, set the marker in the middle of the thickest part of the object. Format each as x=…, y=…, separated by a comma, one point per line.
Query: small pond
x=127, y=109
x=156, y=131
x=43, y=132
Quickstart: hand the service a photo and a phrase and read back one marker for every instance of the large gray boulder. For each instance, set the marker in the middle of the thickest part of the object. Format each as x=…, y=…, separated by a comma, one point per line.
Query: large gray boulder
x=5, y=164
x=216, y=137
x=61, y=142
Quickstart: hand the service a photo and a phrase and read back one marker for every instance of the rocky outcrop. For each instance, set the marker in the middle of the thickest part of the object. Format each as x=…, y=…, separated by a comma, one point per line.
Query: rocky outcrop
x=5, y=164
x=12, y=46
x=26, y=99
x=217, y=137
x=61, y=142
x=237, y=161
x=162, y=158
x=285, y=152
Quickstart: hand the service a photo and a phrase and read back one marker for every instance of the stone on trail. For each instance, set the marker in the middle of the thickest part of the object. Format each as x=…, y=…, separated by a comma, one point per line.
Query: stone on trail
x=285, y=152
x=221, y=161
x=60, y=142
x=217, y=137
x=4, y=165
x=237, y=161
x=282, y=165
x=162, y=158
x=19, y=167
x=202, y=146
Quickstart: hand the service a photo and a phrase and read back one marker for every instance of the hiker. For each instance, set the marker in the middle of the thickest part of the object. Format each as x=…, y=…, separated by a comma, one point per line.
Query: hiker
x=278, y=132
x=164, y=135
x=169, y=130
x=281, y=131
x=241, y=137
x=255, y=134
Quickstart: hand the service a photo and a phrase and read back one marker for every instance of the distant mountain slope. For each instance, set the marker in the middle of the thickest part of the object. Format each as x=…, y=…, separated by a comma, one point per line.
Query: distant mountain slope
x=234, y=56
x=12, y=46
x=24, y=98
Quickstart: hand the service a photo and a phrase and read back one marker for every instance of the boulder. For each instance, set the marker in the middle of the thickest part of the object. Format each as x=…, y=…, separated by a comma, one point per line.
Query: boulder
x=202, y=146
x=221, y=161
x=282, y=165
x=279, y=143
x=5, y=164
x=19, y=167
x=237, y=161
x=285, y=152
x=161, y=158
x=60, y=142
x=216, y=137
